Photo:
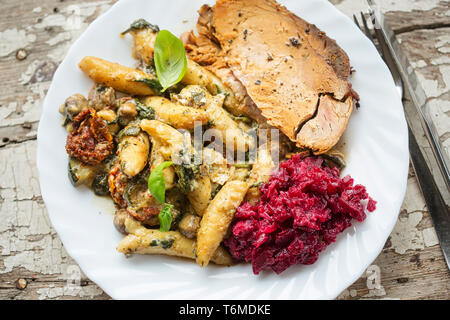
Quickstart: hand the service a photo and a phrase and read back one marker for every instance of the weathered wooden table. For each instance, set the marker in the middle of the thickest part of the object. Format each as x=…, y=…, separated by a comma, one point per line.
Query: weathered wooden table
x=34, y=37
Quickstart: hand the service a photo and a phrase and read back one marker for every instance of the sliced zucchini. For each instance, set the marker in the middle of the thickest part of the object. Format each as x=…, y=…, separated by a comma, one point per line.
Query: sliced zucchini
x=100, y=184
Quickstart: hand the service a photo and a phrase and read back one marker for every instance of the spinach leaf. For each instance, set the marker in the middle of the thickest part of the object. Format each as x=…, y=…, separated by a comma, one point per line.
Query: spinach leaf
x=156, y=183
x=141, y=24
x=170, y=59
x=144, y=112
x=165, y=218
x=152, y=84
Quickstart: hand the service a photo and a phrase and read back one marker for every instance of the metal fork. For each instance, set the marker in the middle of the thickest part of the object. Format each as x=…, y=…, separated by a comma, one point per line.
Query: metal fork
x=433, y=198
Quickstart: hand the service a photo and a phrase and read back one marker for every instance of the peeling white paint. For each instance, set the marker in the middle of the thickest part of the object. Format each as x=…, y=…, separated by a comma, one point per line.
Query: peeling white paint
x=58, y=53
x=430, y=237
x=9, y=109
x=25, y=77
x=52, y=292
x=406, y=236
x=349, y=7
x=72, y=20
x=52, y=20
x=37, y=10
x=408, y=6
x=444, y=59
x=31, y=111
x=60, y=37
x=13, y=39
x=431, y=87
x=418, y=64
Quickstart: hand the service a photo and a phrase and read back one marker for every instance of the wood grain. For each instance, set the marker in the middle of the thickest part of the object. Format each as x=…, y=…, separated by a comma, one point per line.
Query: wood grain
x=411, y=265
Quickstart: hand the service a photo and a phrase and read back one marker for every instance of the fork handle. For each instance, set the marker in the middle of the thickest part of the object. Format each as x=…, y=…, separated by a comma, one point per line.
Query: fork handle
x=396, y=68
x=435, y=203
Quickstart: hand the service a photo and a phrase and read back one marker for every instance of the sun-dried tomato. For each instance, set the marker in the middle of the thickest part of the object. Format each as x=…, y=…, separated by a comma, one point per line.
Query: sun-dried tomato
x=90, y=140
x=117, y=183
x=147, y=215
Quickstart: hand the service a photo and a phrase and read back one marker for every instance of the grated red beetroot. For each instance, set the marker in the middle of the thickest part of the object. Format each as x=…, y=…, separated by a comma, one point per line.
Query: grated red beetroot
x=303, y=207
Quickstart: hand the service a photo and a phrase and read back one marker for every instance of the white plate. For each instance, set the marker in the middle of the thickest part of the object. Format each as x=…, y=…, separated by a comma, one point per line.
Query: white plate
x=377, y=157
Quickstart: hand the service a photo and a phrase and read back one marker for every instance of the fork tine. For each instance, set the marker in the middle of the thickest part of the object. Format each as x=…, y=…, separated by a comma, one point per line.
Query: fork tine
x=356, y=21
x=366, y=27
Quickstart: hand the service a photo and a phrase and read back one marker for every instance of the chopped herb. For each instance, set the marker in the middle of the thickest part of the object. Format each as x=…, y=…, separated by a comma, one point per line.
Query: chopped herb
x=186, y=174
x=258, y=82
x=154, y=243
x=295, y=42
x=245, y=34
x=256, y=185
x=199, y=98
x=242, y=165
x=150, y=68
x=152, y=84
x=216, y=191
x=141, y=24
x=187, y=171
x=167, y=243
x=66, y=121
x=129, y=131
x=100, y=88
x=269, y=58
x=242, y=118
x=144, y=112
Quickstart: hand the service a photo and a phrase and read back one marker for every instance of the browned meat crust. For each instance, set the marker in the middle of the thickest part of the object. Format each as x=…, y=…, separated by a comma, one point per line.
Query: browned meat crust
x=90, y=140
x=280, y=66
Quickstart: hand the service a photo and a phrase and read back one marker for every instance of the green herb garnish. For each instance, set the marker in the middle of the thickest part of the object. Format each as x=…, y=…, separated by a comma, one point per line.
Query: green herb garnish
x=141, y=24
x=156, y=183
x=157, y=187
x=165, y=219
x=242, y=165
x=144, y=112
x=167, y=243
x=152, y=84
x=170, y=59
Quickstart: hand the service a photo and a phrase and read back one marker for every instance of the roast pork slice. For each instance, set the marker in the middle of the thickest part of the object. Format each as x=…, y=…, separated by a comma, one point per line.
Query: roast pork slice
x=327, y=126
x=286, y=72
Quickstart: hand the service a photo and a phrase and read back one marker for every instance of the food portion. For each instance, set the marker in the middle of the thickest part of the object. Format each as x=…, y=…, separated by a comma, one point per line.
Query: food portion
x=287, y=67
x=303, y=207
x=187, y=143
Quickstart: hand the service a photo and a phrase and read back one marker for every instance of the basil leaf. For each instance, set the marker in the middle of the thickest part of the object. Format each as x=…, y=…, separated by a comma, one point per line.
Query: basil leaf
x=156, y=183
x=165, y=217
x=170, y=59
